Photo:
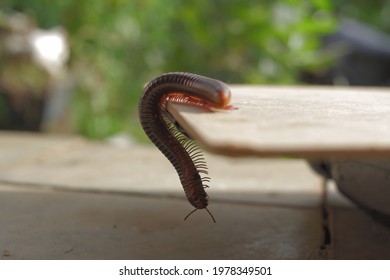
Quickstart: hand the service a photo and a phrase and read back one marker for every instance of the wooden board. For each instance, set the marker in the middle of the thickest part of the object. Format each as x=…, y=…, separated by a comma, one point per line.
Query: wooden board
x=305, y=122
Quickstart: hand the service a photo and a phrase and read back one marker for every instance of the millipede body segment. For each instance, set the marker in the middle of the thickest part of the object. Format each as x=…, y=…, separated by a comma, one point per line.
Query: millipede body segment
x=171, y=140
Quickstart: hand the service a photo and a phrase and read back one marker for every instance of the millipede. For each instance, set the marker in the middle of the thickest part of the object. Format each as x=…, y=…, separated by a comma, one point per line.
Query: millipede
x=171, y=139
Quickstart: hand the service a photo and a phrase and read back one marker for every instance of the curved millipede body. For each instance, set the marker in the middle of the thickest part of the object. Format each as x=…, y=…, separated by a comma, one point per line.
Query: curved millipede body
x=174, y=143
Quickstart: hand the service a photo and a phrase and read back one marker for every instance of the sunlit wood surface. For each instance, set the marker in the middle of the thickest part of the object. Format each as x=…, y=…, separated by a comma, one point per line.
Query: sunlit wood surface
x=294, y=121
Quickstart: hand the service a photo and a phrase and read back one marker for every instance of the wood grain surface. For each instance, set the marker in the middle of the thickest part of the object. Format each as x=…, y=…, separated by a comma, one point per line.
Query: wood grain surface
x=297, y=121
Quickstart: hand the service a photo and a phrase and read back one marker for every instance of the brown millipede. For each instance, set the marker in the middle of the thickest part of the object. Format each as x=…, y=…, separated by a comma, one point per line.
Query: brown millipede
x=171, y=140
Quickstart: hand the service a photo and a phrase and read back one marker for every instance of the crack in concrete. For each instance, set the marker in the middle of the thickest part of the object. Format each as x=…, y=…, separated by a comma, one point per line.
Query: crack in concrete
x=324, y=252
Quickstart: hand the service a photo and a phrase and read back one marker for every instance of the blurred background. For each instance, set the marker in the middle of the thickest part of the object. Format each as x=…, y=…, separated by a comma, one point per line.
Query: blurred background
x=79, y=67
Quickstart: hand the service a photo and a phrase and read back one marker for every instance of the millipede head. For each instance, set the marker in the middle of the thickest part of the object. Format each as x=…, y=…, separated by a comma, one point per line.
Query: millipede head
x=211, y=215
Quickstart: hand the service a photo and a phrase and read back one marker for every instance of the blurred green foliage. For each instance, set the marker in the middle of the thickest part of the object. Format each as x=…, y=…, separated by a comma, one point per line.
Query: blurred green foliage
x=375, y=13
x=117, y=46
